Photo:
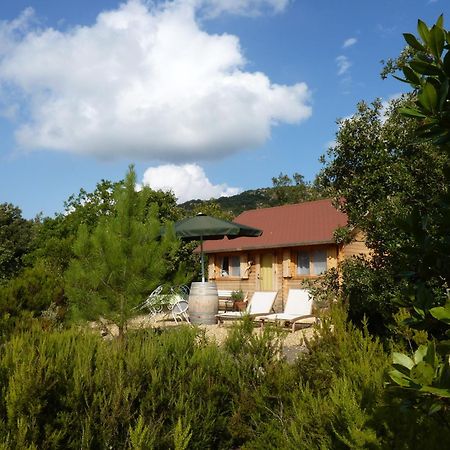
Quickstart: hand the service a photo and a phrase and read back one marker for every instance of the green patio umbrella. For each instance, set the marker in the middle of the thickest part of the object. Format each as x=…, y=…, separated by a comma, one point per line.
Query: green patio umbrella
x=202, y=227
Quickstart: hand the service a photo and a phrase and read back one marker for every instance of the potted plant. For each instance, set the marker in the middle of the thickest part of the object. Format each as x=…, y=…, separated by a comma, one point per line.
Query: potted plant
x=239, y=301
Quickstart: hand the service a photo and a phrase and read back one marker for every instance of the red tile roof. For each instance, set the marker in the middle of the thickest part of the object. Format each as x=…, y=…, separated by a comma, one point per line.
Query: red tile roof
x=285, y=226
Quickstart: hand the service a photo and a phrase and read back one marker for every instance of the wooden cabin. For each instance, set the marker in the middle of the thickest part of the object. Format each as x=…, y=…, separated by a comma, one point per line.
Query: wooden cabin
x=297, y=243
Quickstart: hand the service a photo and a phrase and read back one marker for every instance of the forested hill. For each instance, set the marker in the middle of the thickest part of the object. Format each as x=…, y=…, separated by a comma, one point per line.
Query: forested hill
x=252, y=199
x=258, y=198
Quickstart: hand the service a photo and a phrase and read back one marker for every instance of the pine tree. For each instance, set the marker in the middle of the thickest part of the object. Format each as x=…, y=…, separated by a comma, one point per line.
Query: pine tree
x=122, y=260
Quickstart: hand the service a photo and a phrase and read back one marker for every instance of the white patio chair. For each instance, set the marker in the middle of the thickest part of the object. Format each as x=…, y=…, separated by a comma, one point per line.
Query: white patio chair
x=179, y=310
x=298, y=309
x=152, y=303
x=260, y=304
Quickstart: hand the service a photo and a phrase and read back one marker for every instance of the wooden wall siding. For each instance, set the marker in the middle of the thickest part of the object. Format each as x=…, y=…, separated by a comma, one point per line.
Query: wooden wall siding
x=279, y=284
x=284, y=268
x=249, y=273
x=355, y=248
x=332, y=257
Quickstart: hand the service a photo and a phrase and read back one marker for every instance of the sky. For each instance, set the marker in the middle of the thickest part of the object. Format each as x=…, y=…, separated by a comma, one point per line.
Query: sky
x=204, y=97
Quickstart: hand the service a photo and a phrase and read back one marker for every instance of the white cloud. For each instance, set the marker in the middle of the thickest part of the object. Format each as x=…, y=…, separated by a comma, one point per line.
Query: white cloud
x=343, y=64
x=141, y=83
x=187, y=181
x=349, y=42
x=213, y=8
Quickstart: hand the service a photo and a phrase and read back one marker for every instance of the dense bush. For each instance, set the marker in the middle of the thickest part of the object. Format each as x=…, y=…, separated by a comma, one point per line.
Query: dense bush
x=70, y=389
x=371, y=294
x=174, y=389
x=338, y=399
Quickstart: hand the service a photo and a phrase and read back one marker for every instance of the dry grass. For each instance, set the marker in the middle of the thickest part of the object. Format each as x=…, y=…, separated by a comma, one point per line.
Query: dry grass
x=293, y=343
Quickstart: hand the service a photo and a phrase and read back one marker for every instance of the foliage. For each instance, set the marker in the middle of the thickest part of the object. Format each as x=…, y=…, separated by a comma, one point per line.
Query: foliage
x=237, y=295
x=371, y=295
x=284, y=190
x=121, y=261
x=428, y=72
x=235, y=204
x=175, y=389
x=287, y=190
x=211, y=208
x=325, y=290
x=343, y=235
x=382, y=171
x=16, y=237
x=34, y=290
x=427, y=374
x=71, y=390
x=338, y=398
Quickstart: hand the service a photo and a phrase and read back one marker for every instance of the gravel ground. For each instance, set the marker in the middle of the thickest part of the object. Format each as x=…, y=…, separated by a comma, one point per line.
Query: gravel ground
x=293, y=342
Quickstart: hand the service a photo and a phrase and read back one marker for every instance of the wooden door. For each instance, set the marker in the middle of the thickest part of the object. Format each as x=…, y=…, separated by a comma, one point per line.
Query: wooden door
x=266, y=273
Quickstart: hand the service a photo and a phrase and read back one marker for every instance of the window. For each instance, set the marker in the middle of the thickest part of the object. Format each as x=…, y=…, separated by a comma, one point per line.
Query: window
x=230, y=267
x=311, y=263
x=319, y=262
x=303, y=263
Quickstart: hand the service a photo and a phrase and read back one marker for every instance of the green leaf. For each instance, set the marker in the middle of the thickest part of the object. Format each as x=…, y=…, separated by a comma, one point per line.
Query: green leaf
x=411, y=112
x=440, y=21
x=402, y=360
x=436, y=391
x=420, y=354
x=435, y=407
x=423, y=31
x=428, y=97
x=425, y=68
x=430, y=356
x=443, y=93
x=401, y=79
x=420, y=312
x=422, y=373
x=442, y=313
x=437, y=39
x=400, y=379
x=413, y=42
x=411, y=76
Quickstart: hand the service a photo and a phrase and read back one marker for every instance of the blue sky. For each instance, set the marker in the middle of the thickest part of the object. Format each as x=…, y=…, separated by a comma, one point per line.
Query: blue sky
x=207, y=97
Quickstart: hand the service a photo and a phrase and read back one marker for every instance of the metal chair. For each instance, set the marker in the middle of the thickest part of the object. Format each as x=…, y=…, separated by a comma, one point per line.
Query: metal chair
x=179, y=310
x=152, y=302
x=179, y=304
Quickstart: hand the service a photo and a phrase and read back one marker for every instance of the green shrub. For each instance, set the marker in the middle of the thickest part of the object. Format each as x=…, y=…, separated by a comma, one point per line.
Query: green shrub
x=171, y=388
x=35, y=289
x=370, y=293
x=340, y=401
x=71, y=389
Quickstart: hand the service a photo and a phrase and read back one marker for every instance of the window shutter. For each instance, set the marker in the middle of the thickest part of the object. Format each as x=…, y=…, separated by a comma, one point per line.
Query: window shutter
x=331, y=257
x=287, y=264
x=245, y=268
x=211, y=267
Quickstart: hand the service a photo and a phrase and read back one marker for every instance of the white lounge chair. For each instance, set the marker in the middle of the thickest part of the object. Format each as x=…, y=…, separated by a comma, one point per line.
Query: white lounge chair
x=261, y=303
x=298, y=309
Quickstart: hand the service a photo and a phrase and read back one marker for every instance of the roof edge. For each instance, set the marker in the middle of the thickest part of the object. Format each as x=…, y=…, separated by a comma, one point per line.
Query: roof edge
x=261, y=247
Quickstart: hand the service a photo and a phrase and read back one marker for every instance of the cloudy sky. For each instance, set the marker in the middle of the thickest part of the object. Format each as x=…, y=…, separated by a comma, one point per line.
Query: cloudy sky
x=206, y=97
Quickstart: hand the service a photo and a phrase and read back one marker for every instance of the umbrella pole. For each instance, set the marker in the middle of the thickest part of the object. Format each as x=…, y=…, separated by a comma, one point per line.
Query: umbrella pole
x=203, y=259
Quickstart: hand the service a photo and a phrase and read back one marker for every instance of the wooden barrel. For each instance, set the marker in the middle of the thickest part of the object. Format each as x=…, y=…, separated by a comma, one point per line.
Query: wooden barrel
x=203, y=303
